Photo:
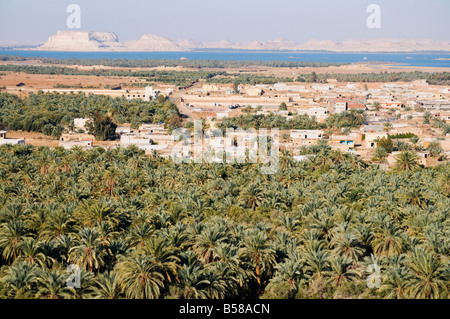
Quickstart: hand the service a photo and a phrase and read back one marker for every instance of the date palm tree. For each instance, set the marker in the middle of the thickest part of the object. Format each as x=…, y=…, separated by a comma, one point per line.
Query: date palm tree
x=316, y=263
x=251, y=196
x=140, y=233
x=20, y=279
x=406, y=161
x=12, y=235
x=206, y=242
x=221, y=280
x=164, y=257
x=429, y=277
x=444, y=180
x=31, y=252
x=256, y=249
x=107, y=286
x=140, y=277
x=193, y=282
x=90, y=212
x=87, y=253
x=58, y=223
x=51, y=284
x=395, y=282
x=291, y=271
x=388, y=240
x=347, y=244
x=340, y=271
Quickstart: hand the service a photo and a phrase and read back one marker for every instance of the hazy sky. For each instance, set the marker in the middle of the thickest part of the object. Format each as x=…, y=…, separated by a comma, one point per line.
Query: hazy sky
x=33, y=21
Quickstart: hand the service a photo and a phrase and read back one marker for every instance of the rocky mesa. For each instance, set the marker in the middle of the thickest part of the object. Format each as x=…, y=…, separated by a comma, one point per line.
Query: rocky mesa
x=82, y=41
x=108, y=41
x=151, y=42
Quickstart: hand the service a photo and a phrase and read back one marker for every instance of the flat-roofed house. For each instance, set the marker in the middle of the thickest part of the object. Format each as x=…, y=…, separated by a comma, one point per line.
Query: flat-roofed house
x=371, y=138
x=342, y=142
x=318, y=112
x=357, y=105
x=148, y=94
x=306, y=137
x=123, y=130
x=434, y=105
x=12, y=141
x=390, y=105
x=344, y=104
x=306, y=134
x=69, y=141
x=340, y=106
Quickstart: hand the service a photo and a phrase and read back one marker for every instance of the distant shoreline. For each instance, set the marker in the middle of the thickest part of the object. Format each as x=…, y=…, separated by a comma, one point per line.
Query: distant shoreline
x=225, y=50
x=289, y=58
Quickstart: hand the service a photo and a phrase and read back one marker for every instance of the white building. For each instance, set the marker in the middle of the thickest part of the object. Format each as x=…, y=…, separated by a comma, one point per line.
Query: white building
x=340, y=106
x=123, y=129
x=150, y=93
x=69, y=141
x=432, y=105
x=371, y=139
x=153, y=128
x=306, y=134
x=318, y=112
x=148, y=137
x=147, y=95
x=12, y=141
x=84, y=144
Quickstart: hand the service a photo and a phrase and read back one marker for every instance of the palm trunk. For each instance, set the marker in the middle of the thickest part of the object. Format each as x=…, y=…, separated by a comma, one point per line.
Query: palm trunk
x=258, y=271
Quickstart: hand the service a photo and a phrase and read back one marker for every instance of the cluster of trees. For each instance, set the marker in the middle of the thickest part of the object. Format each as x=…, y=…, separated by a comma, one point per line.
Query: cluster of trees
x=251, y=79
x=52, y=113
x=352, y=118
x=162, y=76
x=441, y=124
x=435, y=78
x=179, y=78
x=102, y=127
x=387, y=145
x=150, y=63
x=186, y=77
x=75, y=86
x=402, y=136
x=145, y=227
x=268, y=121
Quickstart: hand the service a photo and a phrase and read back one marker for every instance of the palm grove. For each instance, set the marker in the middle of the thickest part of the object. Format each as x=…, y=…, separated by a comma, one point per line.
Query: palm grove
x=53, y=113
x=145, y=227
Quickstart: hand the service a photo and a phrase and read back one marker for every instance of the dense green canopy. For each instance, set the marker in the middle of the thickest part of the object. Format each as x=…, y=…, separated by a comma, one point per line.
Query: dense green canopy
x=144, y=227
x=51, y=113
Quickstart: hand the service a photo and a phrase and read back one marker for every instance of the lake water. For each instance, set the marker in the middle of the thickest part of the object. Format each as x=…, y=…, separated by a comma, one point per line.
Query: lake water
x=413, y=59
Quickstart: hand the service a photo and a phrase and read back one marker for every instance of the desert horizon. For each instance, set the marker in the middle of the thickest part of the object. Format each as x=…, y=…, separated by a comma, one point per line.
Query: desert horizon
x=65, y=40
